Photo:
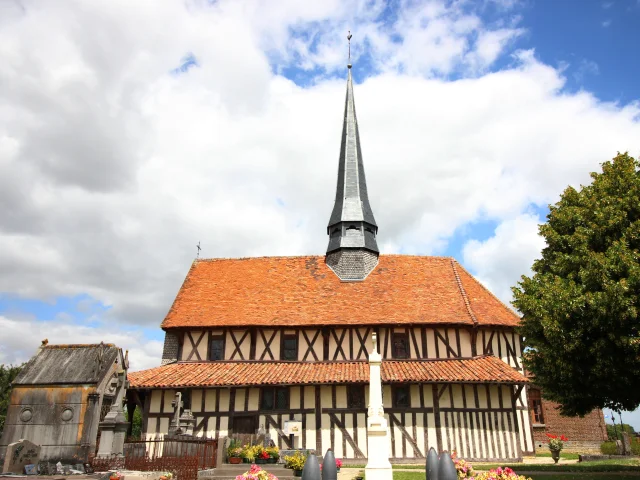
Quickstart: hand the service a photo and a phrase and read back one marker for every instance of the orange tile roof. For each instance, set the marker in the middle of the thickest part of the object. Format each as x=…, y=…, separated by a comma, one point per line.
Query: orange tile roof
x=486, y=369
x=298, y=291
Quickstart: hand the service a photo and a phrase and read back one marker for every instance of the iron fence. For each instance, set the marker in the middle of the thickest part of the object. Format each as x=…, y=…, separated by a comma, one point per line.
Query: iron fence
x=181, y=455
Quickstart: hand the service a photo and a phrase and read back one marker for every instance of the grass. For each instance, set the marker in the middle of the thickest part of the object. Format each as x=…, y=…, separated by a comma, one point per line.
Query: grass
x=566, y=455
x=533, y=476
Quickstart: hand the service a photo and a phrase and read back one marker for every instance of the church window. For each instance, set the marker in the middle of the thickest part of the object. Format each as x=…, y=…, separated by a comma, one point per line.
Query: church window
x=289, y=349
x=535, y=404
x=216, y=348
x=400, y=345
x=401, y=397
x=355, y=396
x=275, y=398
x=335, y=232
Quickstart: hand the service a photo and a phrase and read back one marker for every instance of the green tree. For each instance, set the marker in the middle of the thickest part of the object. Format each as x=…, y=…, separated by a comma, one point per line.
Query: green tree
x=580, y=308
x=7, y=374
x=614, y=431
x=136, y=431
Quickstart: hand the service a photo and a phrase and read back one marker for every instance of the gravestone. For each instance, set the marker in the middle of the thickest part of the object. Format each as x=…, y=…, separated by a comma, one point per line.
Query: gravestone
x=19, y=454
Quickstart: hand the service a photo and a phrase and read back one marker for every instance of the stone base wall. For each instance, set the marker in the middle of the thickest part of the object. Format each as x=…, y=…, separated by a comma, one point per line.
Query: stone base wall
x=585, y=434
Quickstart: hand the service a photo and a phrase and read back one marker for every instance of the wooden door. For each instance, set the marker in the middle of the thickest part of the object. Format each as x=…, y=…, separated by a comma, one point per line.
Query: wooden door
x=244, y=428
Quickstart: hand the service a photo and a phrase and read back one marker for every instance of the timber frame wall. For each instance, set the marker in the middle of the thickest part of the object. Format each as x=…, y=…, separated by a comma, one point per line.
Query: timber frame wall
x=351, y=343
x=479, y=421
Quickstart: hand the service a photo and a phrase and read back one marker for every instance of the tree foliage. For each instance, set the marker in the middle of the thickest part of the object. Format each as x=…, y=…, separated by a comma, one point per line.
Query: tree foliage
x=580, y=308
x=614, y=432
x=136, y=430
x=7, y=374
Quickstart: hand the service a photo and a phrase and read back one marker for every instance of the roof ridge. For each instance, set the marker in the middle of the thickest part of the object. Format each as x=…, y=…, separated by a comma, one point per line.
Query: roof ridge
x=216, y=259
x=490, y=293
x=463, y=292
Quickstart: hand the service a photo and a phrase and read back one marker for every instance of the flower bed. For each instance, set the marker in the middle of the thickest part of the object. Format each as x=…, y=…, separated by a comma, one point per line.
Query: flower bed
x=256, y=473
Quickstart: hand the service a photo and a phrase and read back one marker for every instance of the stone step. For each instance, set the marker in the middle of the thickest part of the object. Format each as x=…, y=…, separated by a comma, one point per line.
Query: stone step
x=280, y=477
x=228, y=469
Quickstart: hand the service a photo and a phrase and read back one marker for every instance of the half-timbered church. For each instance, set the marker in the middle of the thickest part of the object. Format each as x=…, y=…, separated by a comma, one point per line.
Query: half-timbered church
x=257, y=342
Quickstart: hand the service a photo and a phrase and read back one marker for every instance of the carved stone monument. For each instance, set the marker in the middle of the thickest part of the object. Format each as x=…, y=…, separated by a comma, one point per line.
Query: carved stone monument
x=114, y=426
x=20, y=454
x=378, y=467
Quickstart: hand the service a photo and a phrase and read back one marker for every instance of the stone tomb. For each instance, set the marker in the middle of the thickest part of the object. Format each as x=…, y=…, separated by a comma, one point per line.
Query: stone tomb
x=19, y=454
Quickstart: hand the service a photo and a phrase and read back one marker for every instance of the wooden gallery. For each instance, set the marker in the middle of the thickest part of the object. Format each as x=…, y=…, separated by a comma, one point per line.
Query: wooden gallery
x=256, y=342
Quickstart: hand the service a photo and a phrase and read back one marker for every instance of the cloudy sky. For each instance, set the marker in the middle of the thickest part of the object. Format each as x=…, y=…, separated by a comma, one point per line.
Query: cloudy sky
x=131, y=131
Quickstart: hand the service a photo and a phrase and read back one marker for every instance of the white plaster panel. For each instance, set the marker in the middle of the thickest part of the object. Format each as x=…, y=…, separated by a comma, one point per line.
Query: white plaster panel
x=210, y=399
x=414, y=393
x=341, y=396
x=362, y=433
x=254, y=399
x=224, y=399
x=203, y=347
x=445, y=443
x=428, y=395
x=465, y=343
x=294, y=397
x=154, y=406
x=326, y=426
x=310, y=431
x=337, y=451
x=224, y=426
x=310, y=399
x=348, y=425
x=386, y=396
x=239, y=400
x=431, y=343
x=432, y=439
x=420, y=427
x=169, y=396
x=210, y=428
x=196, y=401
x=408, y=425
x=164, y=425
x=151, y=426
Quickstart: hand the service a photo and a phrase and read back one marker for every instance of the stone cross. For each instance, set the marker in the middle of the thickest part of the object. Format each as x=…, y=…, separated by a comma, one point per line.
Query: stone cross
x=177, y=405
x=378, y=467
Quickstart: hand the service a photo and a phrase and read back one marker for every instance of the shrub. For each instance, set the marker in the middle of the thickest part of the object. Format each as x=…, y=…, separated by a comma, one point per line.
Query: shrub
x=608, y=448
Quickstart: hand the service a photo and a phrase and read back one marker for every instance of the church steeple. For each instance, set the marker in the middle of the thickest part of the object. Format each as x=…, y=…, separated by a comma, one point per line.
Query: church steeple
x=353, y=250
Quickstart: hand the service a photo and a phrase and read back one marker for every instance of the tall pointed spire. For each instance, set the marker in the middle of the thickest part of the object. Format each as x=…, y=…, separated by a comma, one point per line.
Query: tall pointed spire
x=353, y=250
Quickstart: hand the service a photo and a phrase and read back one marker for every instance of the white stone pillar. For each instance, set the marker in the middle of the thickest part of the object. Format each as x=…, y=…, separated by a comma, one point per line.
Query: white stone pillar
x=378, y=466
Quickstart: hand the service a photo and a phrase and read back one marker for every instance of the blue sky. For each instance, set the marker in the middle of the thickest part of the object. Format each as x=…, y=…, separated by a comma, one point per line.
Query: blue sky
x=153, y=142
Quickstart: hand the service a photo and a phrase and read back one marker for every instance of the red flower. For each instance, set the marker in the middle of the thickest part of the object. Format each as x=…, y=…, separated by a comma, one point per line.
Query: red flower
x=264, y=455
x=551, y=436
x=563, y=438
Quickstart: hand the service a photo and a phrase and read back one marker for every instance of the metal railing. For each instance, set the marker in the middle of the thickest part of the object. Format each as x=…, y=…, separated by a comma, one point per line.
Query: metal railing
x=181, y=455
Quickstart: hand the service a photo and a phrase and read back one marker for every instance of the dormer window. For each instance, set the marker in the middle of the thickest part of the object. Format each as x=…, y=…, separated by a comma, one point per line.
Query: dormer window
x=216, y=347
x=400, y=345
x=289, y=350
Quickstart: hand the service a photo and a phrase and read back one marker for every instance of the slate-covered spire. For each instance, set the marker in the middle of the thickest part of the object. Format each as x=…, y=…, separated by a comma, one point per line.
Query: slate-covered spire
x=352, y=228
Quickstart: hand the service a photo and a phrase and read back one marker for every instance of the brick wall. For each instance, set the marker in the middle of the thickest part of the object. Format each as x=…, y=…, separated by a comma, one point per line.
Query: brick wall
x=585, y=434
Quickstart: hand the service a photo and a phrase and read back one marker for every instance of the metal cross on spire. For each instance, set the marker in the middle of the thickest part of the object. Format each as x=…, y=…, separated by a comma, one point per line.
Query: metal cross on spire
x=198, y=247
x=349, y=40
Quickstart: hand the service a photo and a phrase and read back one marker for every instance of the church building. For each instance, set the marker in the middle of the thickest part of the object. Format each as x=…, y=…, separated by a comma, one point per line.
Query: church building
x=257, y=342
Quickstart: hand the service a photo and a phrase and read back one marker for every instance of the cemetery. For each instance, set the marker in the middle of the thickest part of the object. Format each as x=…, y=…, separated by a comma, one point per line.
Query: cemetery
x=346, y=365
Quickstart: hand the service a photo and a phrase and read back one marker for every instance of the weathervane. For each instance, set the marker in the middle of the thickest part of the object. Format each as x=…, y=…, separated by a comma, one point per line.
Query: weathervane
x=349, y=39
x=198, y=247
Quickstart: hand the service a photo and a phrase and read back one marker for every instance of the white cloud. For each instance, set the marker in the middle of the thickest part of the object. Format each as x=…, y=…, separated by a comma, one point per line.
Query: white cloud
x=112, y=169
x=508, y=254
x=21, y=338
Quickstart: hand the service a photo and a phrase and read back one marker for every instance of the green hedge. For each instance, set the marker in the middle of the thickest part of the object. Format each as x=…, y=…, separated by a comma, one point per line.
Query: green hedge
x=608, y=448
